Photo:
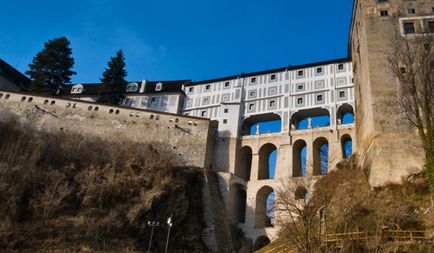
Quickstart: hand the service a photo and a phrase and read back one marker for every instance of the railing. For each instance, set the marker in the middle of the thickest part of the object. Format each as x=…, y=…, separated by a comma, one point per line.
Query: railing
x=386, y=235
x=403, y=236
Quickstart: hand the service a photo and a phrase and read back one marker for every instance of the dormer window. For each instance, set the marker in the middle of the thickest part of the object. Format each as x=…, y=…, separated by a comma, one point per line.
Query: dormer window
x=77, y=89
x=159, y=87
x=132, y=87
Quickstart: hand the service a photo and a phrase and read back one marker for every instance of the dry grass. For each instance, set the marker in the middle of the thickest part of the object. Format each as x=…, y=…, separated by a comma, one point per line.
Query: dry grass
x=64, y=193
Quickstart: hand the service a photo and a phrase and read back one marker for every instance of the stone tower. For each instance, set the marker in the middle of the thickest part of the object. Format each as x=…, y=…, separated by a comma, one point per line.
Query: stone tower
x=388, y=145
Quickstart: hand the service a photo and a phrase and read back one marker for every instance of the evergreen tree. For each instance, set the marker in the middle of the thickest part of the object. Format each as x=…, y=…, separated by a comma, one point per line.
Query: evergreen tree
x=113, y=80
x=51, y=67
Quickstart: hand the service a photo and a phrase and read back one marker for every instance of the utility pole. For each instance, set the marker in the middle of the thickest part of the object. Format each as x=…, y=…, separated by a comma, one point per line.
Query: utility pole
x=152, y=224
x=169, y=222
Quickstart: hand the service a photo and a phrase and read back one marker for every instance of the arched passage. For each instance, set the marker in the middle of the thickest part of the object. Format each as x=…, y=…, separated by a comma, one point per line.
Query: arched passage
x=262, y=124
x=345, y=114
x=310, y=118
x=261, y=242
x=300, y=193
x=264, y=207
x=267, y=161
x=320, y=156
x=238, y=203
x=299, y=154
x=244, y=165
x=346, y=146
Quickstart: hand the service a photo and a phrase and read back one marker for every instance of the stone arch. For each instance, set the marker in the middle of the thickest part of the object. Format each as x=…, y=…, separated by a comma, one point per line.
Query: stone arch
x=267, y=161
x=244, y=165
x=262, y=124
x=310, y=118
x=264, y=207
x=345, y=114
x=261, y=242
x=320, y=156
x=346, y=146
x=238, y=203
x=299, y=156
x=300, y=193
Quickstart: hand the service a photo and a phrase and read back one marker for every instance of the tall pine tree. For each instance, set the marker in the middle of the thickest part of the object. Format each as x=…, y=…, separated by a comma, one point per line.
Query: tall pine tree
x=113, y=80
x=51, y=67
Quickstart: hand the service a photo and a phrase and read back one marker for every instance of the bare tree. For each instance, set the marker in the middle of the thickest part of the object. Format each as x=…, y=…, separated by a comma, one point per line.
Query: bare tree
x=412, y=63
x=299, y=209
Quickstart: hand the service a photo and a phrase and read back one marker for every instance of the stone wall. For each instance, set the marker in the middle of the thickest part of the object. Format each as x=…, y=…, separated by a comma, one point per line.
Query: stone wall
x=388, y=145
x=188, y=136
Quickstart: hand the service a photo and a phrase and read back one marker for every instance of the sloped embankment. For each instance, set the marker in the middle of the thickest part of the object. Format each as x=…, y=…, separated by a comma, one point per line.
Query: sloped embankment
x=67, y=193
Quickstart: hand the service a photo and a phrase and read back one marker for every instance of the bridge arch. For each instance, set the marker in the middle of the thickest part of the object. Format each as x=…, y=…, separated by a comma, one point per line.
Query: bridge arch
x=261, y=242
x=238, y=196
x=264, y=212
x=310, y=118
x=299, y=155
x=320, y=156
x=262, y=124
x=346, y=146
x=267, y=161
x=345, y=114
x=244, y=165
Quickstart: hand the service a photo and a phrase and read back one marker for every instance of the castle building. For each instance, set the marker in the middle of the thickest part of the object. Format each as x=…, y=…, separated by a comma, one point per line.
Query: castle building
x=269, y=126
x=11, y=79
x=297, y=121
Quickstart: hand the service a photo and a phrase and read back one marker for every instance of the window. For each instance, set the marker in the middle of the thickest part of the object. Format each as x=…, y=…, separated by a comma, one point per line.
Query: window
x=153, y=101
x=432, y=9
x=383, y=1
x=273, y=77
x=409, y=28
x=341, y=66
x=319, y=98
x=252, y=93
x=431, y=26
x=300, y=73
x=251, y=107
x=319, y=70
x=402, y=70
x=227, y=84
x=158, y=87
x=341, y=94
x=300, y=86
x=191, y=89
x=299, y=101
x=384, y=13
x=203, y=113
x=253, y=80
x=208, y=87
x=225, y=121
x=411, y=11
x=206, y=101
x=226, y=110
x=272, y=103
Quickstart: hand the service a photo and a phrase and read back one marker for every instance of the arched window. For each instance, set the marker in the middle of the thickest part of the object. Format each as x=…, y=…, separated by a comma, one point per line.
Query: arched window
x=310, y=118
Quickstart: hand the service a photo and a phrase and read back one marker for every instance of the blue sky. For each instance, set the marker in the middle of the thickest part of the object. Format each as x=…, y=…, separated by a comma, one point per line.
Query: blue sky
x=168, y=39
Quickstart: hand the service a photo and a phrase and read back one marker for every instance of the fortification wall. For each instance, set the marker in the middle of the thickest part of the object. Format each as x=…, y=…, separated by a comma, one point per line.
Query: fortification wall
x=188, y=136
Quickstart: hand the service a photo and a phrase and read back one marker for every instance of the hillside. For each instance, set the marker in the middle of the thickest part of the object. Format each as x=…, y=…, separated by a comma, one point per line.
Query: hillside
x=68, y=193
